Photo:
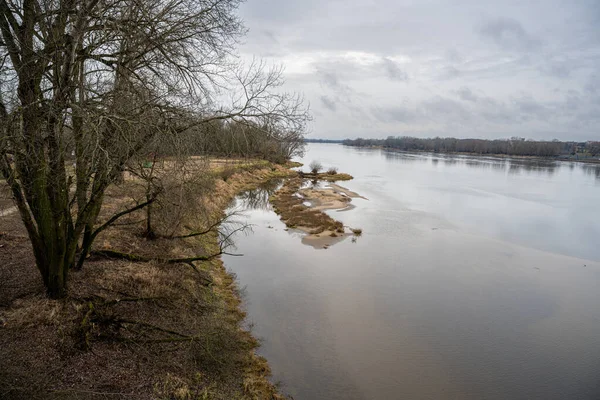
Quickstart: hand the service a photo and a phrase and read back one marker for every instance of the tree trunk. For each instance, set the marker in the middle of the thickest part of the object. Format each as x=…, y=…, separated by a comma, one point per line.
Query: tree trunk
x=56, y=278
x=149, y=234
x=86, y=246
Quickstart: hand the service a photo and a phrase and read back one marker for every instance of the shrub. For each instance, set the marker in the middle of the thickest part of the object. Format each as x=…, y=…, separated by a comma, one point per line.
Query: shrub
x=315, y=167
x=357, y=231
x=332, y=171
x=227, y=173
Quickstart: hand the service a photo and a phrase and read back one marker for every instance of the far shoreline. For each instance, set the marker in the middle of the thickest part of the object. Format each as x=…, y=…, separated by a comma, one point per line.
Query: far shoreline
x=492, y=155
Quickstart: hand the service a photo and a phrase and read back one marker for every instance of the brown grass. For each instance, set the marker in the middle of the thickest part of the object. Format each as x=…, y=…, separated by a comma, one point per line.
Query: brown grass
x=113, y=337
x=329, y=176
x=333, y=177
x=296, y=215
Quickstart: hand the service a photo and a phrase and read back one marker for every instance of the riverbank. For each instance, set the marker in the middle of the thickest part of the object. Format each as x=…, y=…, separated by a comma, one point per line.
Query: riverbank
x=135, y=330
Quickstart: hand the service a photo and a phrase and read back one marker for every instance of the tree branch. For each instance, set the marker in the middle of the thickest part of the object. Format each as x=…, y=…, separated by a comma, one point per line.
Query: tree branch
x=122, y=213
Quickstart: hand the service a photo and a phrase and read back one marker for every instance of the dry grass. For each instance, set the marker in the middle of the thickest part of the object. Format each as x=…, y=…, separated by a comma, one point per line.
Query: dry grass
x=333, y=177
x=297, y=215
x=293, y=164
x=328, y=176
x=114, y=337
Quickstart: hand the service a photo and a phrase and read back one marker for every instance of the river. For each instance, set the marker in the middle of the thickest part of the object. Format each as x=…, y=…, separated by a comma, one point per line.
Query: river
x=474, y=278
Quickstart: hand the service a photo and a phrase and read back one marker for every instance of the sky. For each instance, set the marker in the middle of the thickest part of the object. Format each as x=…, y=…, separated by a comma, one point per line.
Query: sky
x=426, y=68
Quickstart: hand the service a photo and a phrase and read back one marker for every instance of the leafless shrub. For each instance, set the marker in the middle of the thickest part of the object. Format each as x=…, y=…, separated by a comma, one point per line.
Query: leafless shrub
x=357, y=231
x=315, y=167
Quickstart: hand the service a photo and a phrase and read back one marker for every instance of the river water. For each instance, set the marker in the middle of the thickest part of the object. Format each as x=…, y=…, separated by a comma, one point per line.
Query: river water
x=474, y=278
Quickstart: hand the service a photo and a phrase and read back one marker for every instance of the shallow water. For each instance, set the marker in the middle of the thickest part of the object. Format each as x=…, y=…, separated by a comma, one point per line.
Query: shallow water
x=475, y=278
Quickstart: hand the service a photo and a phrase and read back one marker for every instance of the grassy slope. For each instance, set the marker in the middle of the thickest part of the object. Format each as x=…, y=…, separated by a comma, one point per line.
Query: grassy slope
x=117, y=335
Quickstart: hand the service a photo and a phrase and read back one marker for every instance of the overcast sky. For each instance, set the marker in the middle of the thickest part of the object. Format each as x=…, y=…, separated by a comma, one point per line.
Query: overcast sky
x=463, y=68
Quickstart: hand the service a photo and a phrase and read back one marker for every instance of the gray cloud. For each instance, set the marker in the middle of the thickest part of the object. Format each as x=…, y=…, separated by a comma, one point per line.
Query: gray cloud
x=466, y=94
x=557, y=69
x=333, y=69
x=328, y=103
x=331, y=80
x=395, y=114
x=393, y=70
x=509, y=34
x=528, y=108
x=495, y=68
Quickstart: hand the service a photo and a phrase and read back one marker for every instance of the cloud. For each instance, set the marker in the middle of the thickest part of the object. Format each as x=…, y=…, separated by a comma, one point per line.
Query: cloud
x=528, y=108
x=446, y=111
x=509, y=34
x=529, y=69
x=393, y=70
x=331, y=80
x=450, y=72
x=466, y=94
x=395, y=114
x=557, y=69
x=328, y=103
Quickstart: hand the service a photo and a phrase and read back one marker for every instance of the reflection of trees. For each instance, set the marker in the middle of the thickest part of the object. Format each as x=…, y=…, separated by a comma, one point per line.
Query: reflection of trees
x=449, y=161
x=514, y=166
x=532, y=166
x=515, y=146
x=592, y=170
x=258, y=199
x=499, y=165
x=404, y=157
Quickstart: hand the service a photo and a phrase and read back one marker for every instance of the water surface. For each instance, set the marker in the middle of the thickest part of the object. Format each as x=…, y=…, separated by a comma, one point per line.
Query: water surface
x=475, y=278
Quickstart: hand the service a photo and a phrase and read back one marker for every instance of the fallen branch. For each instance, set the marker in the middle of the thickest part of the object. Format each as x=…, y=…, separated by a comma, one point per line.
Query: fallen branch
x=92, y=392
x=137, y=258
x=89, y=239
x=224, y=243
x=203, y=276
x=131, y=299
x=122, y=213
x=194, y=234
x=119, y=255
x=211, y=228
x=139, y=221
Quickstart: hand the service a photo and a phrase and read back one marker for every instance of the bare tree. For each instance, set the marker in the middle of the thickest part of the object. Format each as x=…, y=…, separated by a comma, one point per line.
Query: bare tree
x=88, y=84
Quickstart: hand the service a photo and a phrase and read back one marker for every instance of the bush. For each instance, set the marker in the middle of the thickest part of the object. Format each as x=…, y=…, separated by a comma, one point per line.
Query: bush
x=332, y=171
x=227, y=173
x=357, y=231
x=315, y=167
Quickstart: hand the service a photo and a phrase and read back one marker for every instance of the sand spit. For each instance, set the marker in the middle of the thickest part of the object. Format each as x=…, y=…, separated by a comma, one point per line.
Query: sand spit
x=302, y=208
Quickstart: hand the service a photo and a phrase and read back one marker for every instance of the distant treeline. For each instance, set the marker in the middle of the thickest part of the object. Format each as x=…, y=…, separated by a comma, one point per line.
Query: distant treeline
x=324, y=140
x=514, y=146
